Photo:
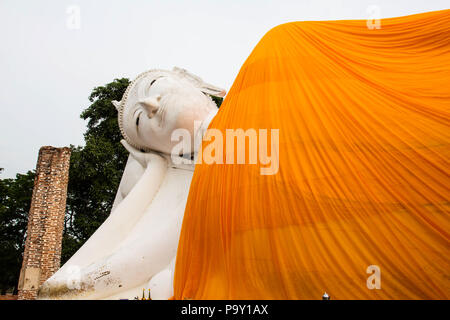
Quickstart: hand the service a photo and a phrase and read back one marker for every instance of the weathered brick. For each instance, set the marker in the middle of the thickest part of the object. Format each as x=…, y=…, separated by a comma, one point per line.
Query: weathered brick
x=42, y=255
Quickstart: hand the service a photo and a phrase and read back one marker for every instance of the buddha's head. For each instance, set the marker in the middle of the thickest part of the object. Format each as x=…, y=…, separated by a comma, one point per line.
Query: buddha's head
x=158, y=102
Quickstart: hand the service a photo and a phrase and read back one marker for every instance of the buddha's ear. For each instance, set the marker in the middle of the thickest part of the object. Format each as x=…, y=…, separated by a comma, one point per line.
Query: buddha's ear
x=116, y=104
x=188, y=75
x=204, y=87
x=212, y=90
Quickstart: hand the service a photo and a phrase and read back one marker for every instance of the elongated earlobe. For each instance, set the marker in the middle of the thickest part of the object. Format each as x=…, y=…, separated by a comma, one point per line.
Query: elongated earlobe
x=212, y=90
x=204, y=87
x=116, y=104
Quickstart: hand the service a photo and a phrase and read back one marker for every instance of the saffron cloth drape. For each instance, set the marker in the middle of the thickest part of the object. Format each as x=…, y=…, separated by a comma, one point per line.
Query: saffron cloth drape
x=364, y=131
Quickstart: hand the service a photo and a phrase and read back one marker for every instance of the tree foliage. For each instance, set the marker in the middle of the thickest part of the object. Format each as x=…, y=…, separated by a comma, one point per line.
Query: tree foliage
x=15, y=200
x=95, y=169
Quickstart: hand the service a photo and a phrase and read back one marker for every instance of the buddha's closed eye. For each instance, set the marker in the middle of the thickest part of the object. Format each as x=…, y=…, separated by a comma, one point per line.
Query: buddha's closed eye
x=138, y=117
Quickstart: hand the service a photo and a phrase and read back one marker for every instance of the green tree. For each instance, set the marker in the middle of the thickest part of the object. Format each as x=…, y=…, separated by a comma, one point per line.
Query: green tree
x=15, y=200
x=95, y=169
x=217, y=100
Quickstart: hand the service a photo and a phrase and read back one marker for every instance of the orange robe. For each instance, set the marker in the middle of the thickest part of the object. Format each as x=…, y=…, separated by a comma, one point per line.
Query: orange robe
x=364, y=176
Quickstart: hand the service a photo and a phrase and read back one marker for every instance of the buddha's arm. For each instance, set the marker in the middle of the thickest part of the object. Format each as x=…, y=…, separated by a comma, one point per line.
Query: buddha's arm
x=134, y=169
x=132, y=173
x=147, y=249
x=124, y=217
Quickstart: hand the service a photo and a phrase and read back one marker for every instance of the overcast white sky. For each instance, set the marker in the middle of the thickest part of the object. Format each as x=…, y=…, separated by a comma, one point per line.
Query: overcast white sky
x=48, y=67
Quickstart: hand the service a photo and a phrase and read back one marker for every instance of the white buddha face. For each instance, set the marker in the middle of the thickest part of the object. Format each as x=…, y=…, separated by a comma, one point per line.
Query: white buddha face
x=159, y=103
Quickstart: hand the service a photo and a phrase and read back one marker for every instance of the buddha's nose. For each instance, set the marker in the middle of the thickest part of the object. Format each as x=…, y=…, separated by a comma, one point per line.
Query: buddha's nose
x=151, y=105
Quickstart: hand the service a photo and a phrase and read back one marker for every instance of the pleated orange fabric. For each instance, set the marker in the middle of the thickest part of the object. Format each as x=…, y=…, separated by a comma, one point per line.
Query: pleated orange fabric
x=363, y=180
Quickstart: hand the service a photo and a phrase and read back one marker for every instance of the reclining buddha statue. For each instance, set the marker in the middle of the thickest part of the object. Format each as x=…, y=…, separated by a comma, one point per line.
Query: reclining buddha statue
x=135, y=247
x=357, y=205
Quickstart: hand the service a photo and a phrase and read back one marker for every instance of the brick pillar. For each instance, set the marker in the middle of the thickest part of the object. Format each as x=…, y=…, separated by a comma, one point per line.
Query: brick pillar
x=42, y=255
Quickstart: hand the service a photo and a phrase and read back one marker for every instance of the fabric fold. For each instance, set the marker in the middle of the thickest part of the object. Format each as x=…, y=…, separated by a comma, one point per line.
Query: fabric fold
x=364, y=131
